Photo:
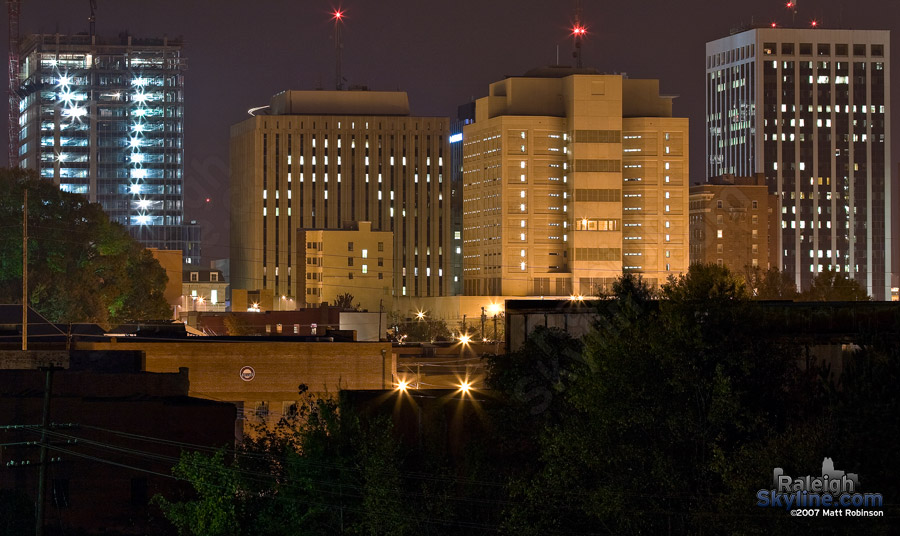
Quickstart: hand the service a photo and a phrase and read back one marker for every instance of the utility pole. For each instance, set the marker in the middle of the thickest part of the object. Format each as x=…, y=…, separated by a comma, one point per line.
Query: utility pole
x=42, y=468
x=380, y=312
x=25, y=272
x=482, y=323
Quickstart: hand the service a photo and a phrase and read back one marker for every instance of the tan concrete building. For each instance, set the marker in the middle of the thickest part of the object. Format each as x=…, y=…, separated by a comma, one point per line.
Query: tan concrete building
x=318, y=159
x=570, y=178
x=733, y=223
x=355, y=260
x=171, y=261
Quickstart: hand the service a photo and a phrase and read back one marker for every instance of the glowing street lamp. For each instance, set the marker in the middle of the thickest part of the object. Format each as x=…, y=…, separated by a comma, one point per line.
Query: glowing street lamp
x=402, y=385
x=420, y=315
x=465, y=387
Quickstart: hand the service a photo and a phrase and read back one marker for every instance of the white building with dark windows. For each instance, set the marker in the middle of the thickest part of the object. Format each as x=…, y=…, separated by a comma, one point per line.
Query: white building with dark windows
x=810, y=108
x=203, y=290
x=104, y=118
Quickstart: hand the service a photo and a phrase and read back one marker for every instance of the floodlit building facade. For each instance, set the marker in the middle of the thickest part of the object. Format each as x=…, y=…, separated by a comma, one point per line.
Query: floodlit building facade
x=104, y=118
x=319, y=159
x=355, y=260
x=810, y=108
x=570, y=179
x=732, y=221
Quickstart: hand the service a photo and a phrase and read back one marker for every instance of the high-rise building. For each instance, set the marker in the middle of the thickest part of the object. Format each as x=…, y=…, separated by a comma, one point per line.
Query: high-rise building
x=465, y=114
x=104, y=118
x=732, y=222
x=570, y=179
x=810, y=108
x=319, y=159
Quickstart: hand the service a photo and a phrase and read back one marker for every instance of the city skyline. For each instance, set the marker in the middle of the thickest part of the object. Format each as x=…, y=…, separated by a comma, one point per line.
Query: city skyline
x=429, y=71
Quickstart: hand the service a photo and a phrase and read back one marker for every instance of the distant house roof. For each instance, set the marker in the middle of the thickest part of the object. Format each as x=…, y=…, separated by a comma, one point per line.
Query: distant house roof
x=203, y=276
x=11, y=322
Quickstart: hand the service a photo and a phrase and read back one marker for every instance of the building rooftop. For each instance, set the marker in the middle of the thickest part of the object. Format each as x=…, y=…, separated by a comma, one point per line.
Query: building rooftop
x=557, y=71
x=352, y=102
x=124, y=39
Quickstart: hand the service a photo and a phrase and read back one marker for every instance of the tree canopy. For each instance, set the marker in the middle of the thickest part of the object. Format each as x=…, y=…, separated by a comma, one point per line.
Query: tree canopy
x=81, y=266
x=771, y=284
x=665, y=419
x=829, y=285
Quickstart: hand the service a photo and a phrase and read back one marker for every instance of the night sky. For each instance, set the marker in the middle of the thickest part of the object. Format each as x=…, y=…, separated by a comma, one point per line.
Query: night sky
x=442, y=53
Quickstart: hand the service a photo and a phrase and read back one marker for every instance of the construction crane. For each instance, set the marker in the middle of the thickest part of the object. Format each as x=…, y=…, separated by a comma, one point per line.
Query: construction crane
x=13, y=9
x=92, y=20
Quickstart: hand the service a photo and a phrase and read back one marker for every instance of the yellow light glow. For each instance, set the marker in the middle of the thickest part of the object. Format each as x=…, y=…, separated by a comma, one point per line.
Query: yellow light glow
x=420, y=315
x=402, y=385
x=465, y=387
x=495, y=308
x=465, y=339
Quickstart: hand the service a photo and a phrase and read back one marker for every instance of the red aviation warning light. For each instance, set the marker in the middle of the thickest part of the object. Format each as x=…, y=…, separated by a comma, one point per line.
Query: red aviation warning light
x=814, y=23
x=337, y=15
x=774, y=25
x=579, y=30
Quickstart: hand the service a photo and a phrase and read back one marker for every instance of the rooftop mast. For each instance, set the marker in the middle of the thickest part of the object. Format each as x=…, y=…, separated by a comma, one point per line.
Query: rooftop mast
x=338, y=17
x=578, y=31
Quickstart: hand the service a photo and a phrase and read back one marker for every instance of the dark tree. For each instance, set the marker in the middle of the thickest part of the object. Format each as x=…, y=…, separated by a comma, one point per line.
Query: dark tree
x=81, y=267
x=345, y=302
x=676, y=399
x=834, y=286
x=771, y=284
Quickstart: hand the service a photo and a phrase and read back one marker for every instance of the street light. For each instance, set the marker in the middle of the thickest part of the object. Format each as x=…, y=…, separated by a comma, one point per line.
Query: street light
x=420, y=315
x=402, y=385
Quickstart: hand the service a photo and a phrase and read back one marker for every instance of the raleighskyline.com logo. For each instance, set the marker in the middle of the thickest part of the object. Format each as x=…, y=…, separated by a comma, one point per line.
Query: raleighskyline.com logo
x=834, y=494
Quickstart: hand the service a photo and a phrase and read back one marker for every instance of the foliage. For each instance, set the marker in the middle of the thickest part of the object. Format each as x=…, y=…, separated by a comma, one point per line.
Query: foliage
x=345, y=302
x=666, y=418
x=426, y=330
x=215, y=510
x=237, y=326
x=82, y=267
x=864, y=416
x=321, y=470
x=705, y=282
x=771, y=284
x=671, y=396
x=829, y=285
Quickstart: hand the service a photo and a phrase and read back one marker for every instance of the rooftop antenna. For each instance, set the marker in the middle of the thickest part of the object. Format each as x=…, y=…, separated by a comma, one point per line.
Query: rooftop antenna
x=338, y=17
x=793, y=8
x=578, y=31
